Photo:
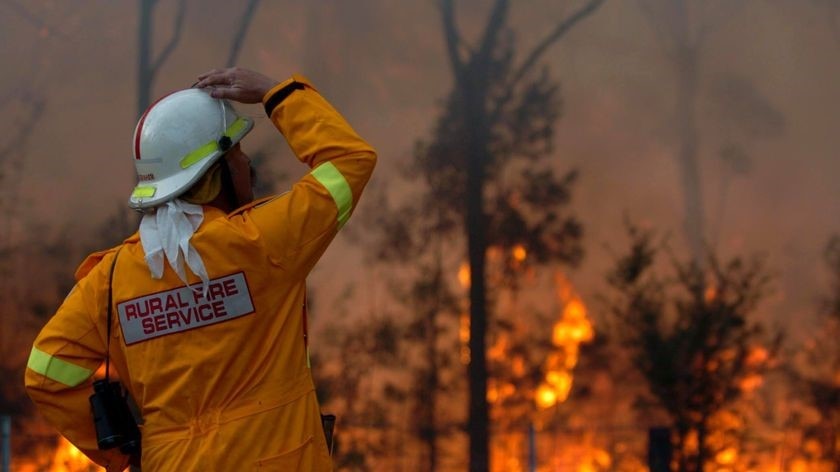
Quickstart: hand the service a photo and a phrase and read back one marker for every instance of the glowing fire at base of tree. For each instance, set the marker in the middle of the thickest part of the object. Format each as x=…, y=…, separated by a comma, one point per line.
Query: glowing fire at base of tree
x=513, y=446
x=64, y=458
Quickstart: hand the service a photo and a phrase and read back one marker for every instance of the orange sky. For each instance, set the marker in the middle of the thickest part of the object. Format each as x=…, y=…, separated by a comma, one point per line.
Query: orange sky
x=383, y=65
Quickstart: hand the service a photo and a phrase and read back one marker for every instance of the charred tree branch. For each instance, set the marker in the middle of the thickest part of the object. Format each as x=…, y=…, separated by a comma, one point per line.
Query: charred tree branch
x=175, y=39
x=562, y=28
x=450, y=32
x=491, y=33
x=241, y=32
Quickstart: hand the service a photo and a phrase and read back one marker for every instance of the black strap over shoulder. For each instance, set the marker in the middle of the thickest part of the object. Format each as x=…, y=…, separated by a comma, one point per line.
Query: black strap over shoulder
x=110, y=316
x=280, y=95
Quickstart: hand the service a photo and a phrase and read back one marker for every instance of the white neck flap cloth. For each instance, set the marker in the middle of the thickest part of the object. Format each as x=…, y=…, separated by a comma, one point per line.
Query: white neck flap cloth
x=167, y=232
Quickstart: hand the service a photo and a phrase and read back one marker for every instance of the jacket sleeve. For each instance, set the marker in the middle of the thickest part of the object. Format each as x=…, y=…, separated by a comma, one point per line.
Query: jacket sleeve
x=299, y=225
x=59, y=374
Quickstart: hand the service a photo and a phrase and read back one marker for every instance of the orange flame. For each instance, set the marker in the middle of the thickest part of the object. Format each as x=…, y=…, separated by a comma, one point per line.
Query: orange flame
x=464, y=275
x=499, y=349
x=546, y=396
x=69, y=459
x=65, y=458
x=519, y=253
x=727, y=456
x=569, y=332
x=757, y=356
x=710, y=294
x=751, y=383
x=464, y=337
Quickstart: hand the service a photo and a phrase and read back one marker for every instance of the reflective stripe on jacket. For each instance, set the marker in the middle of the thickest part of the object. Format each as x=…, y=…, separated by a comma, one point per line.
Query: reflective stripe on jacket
x=222, y=379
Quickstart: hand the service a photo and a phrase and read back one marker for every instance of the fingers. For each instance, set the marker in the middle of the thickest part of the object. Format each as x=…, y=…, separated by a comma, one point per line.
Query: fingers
x=215, y=77
x=221, y=83
x=230, y=93
x=208, y=73
x=235, y=83
x=219, y=93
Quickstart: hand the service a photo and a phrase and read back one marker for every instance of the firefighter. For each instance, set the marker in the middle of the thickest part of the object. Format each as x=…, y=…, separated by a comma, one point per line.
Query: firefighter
x=207, y=299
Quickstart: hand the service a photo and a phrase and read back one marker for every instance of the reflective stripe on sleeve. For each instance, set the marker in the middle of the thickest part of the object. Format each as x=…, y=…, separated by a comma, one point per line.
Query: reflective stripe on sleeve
x=56, y=369
x=330, y=177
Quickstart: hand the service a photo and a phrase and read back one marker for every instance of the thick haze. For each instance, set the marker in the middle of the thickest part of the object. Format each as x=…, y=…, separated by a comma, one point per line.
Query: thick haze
x=383, y=64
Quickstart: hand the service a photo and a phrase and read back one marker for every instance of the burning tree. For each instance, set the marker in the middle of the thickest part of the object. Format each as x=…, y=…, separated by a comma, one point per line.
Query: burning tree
x=496, y=113
x=691, y=339
x=484, y=193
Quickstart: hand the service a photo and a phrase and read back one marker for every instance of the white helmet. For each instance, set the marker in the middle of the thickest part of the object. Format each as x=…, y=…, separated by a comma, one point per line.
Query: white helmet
x=177, y=139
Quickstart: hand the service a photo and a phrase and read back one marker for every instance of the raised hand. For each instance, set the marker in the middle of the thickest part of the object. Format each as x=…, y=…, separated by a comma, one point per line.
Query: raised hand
x=237, y=84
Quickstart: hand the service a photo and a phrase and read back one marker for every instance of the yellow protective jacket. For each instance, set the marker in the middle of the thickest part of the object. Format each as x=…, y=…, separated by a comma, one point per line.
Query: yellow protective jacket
x=222, y=381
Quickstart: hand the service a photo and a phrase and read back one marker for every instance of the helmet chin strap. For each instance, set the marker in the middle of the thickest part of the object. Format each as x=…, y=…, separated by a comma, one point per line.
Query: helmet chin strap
x=225, y=142
x=224, y=116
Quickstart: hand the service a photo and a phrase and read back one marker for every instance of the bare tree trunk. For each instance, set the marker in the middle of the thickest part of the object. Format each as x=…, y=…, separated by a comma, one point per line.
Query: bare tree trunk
x=147, y=65
x=687, y=156
x=241, y=32
x=671, y=22
x=475, y=225
x=478, y=116
x=470, y=94
x=690, y=173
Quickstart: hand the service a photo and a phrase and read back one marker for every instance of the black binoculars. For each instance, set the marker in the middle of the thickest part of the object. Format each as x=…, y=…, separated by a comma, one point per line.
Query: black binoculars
x=114, y=423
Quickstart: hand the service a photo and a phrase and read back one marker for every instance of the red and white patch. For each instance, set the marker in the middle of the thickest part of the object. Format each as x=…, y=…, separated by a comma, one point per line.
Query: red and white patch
x=182, y=309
